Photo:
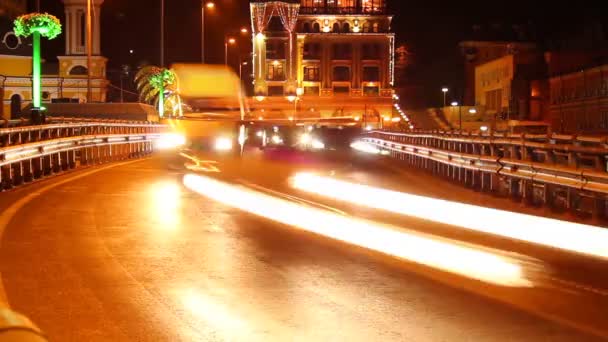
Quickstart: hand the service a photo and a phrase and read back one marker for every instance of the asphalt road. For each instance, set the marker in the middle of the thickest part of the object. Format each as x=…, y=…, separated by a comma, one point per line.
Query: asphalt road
x=127, y=253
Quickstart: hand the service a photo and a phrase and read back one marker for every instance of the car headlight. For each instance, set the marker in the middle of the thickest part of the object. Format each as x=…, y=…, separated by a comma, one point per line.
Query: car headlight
x=305, y=139
x=223, y=144
x=170, y=140
x=317, y=144
x=276, y=139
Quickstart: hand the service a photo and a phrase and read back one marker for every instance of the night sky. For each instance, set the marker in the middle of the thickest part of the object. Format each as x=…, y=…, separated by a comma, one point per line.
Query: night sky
x=431, y=30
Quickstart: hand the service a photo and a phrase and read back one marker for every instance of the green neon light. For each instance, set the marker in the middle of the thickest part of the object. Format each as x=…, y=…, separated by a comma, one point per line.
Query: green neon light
x=36, y=71
x=37, y=25
x=47, y=25
x=161, y=101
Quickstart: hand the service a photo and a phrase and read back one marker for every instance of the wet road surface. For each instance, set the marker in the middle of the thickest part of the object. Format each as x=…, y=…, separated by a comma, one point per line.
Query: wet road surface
x=128, y=253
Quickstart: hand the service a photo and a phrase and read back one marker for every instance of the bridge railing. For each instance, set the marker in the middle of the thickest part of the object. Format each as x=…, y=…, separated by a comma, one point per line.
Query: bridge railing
x=565, y=172
x=31, y=152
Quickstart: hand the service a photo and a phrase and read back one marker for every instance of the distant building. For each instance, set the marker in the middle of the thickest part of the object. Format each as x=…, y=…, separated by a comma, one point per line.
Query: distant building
x=67, y=80
x=476, y=53
x=579, y=101
x=337, y=57
x=504, y=88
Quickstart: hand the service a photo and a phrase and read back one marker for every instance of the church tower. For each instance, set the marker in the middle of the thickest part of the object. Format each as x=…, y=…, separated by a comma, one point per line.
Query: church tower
x=74, y=63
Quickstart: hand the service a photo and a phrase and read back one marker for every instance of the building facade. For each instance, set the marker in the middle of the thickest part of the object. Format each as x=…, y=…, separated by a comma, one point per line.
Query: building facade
x=66, y=81
x=505, y=87
x=477, y=53
x=332, y=58
x=579, y=101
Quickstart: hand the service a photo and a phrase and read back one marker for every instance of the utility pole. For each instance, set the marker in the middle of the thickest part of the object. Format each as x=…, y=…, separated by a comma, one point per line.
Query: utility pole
x=89, y=53
x=162, y=33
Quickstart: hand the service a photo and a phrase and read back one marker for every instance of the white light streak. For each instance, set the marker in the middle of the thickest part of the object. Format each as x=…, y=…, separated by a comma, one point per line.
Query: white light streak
x=442, y=254
x=565, y=235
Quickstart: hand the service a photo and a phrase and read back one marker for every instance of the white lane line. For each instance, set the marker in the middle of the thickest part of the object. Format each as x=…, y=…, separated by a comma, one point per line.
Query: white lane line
x=291, y=197
x=7, y=215
x=581, y=287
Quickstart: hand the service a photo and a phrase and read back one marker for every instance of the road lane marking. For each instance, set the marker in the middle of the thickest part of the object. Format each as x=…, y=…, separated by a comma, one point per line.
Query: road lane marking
x=291, y=197
x=7, y=215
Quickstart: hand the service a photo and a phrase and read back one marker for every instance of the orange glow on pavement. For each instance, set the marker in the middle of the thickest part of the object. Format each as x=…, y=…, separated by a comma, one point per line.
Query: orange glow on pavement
x=442, y=254
x=565, y=235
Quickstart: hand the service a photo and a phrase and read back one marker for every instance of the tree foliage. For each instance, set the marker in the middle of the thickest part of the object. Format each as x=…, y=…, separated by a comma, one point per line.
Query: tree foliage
x=150, y=80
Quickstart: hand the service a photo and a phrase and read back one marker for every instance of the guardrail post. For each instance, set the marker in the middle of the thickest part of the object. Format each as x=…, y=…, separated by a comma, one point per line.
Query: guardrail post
x=18, y=173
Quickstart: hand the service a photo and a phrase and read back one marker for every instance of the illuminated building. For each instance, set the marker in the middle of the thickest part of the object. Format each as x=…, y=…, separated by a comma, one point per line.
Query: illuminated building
x=337, y=56
x=68, y=79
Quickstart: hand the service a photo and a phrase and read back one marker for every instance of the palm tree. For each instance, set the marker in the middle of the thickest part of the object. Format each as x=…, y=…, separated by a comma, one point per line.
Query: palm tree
x=159, y=87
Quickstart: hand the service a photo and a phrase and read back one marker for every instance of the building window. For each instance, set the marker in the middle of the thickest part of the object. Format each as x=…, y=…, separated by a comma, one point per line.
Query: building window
x=82, y=27
x=306, y=27
x=376, y=28
x=275, y=91
x=311, y=73
x=341, y=89
x=275, y=72
x=371, y=91
x=373, y=6
x=311, y=91
x=371, y=51
x=316, y=27
x=312, y=51
x=78, y=70
x=494, y=100
x=342, y=51
x=346, y=28
x=275, y=24
x=336, y=28
x=371, y=74
x=275, y=49
x=341, y=73
x=366, y=27
x=15, y=106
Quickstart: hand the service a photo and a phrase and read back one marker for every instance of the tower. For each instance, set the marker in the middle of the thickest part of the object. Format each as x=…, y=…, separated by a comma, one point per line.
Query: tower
x=74, y=63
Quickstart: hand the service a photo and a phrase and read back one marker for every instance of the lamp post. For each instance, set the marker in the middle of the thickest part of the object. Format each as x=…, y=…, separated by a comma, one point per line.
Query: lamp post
x=445, y=92
x=162, y=33
x=454, y=104
x=241, y=70
x=210, y=5
x=231, y=41
x=227, y=41
x=89, y=53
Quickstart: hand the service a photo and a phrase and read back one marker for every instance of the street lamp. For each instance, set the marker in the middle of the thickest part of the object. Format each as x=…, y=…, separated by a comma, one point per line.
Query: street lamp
x=445, y=91
x=241, y=70
x=209, y=5
x=454, y=104
x=227, y=41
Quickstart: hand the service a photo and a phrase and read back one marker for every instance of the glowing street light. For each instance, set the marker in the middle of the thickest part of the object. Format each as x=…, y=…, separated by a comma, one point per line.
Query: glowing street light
x=244, y=30
x=210, y=6
x=445, y=91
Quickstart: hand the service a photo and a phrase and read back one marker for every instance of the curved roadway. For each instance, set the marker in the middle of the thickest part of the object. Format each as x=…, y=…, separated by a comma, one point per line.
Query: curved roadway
x=126, y=252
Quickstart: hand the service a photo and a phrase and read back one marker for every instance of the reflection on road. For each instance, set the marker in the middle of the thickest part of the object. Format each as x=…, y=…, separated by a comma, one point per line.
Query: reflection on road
x=438, y=253
x=569, y=236
x=165, y=204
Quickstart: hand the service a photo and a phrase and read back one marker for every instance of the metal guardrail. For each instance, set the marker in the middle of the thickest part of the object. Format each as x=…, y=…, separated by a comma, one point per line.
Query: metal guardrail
x=31, y=152
x=565, y=172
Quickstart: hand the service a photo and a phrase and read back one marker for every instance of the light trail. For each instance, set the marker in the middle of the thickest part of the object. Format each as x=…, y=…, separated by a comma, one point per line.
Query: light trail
x=442, y=254
x=565, y=235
